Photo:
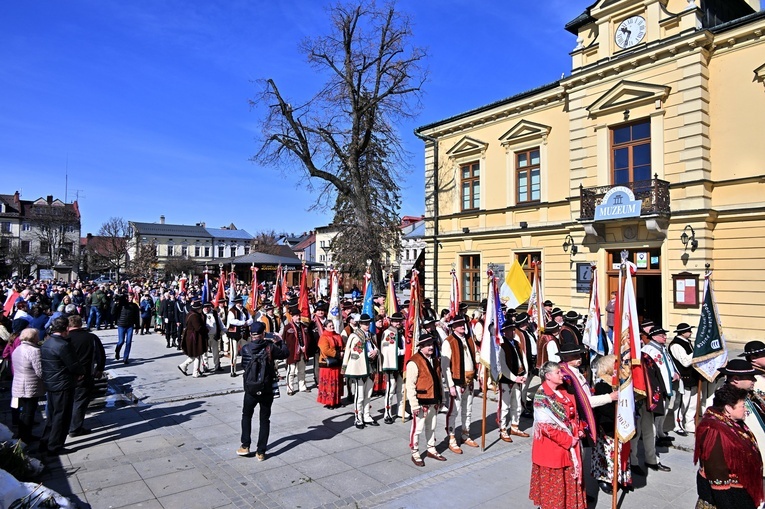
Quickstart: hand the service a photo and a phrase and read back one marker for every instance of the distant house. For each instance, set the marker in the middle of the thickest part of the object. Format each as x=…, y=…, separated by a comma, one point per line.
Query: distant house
x=194, y=242
x=306, y=249
x=39, y=238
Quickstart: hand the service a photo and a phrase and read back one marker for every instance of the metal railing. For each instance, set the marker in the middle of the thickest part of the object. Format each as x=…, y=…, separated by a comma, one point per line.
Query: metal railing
x=654, y=194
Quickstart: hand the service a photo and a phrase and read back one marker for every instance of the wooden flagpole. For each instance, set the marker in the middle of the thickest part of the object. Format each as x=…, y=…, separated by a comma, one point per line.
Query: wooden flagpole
x=483, y=420
x=617, y=374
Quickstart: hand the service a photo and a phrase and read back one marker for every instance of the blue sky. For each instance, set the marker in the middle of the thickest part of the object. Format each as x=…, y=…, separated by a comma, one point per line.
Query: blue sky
x=146, y=101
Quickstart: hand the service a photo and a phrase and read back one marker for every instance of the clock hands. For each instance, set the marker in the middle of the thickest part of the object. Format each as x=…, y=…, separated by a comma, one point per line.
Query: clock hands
x=628, y=32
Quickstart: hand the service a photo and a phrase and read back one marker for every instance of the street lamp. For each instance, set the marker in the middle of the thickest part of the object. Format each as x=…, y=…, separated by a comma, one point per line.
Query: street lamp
x=569, y=242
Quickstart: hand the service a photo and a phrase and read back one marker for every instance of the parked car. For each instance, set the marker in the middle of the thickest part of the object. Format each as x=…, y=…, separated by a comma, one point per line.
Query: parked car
x=404, y=284
x=102, y=280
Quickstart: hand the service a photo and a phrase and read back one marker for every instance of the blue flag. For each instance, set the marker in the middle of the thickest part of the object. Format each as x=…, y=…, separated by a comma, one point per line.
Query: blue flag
x=206, y=290
x=368, y=307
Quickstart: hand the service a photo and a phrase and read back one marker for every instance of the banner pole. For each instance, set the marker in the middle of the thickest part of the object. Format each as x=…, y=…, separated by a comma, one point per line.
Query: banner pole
x=483, y=420
x=617, y=375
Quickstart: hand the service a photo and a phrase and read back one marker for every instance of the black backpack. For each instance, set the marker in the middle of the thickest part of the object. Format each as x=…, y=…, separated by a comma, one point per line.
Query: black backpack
x=259, y=373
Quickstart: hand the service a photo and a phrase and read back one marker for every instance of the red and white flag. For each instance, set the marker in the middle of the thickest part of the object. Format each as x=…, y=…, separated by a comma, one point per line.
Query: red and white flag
x=631, y=377
x=454, y=295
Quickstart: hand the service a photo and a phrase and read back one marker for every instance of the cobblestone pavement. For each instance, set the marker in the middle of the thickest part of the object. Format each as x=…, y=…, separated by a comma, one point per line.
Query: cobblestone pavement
x=175, y=448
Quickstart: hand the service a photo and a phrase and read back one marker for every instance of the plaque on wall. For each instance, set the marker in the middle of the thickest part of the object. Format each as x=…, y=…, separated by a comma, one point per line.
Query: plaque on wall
x=685, y=288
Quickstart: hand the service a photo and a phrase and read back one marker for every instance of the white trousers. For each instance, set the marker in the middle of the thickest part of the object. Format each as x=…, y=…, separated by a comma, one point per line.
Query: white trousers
x=423, y=420
x=509, y=406
x=296, y=373
x=462, y=404
x=197, y=361
x=393, y=388
x=233, y=347
x=363, y=393
x=213, y=343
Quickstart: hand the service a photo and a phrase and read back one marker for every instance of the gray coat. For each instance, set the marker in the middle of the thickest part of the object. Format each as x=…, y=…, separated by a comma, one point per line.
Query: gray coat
x=27, y=372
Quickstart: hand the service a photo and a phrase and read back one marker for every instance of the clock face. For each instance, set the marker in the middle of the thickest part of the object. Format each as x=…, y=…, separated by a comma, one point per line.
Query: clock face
x=630, y=32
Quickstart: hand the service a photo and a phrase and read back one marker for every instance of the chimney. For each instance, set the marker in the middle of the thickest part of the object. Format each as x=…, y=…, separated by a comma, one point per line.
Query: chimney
x=17, y=199
x=161, y=219
x=50, y=199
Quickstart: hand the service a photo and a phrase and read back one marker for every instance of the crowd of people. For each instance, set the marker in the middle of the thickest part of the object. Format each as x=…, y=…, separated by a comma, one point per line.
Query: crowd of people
x=546, y=375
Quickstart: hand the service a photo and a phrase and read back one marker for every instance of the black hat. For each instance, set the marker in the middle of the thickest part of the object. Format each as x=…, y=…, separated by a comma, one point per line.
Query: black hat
x=257, y=327
x=507, y=326
x=571, y=316
x=428, y=323
x=552, y=326
x=378, y=295
x=683, y=327
x=267, y=306
x=752, y=350
x=238, y=299
x=484, y=303
x=322, y=306
x=556, y=312
x=207, y=304
x=548, y=303
x=739, y=367
x=346, y=304
x=426, y=301
x=570, y=349
x=196, y=304
x=463, y=306
x=646, y=323
x=655, y=331
x=457, y=322
x=396, y=317
x=521, y=318
x=425, y=340
x=365, y=318
x=294, y=309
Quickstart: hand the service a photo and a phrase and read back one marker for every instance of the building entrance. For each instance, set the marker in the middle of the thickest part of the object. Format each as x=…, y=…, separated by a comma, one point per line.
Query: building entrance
x=647, y=281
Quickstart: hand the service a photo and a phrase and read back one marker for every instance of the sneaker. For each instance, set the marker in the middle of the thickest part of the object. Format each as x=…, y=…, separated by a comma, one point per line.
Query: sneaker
x=243, y=451
x=260, y=455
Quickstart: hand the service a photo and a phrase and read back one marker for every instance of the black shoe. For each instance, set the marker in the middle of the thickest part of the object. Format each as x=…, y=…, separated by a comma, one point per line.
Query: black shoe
x=681, y=432
x=527, y=414
x=658, y=466
x=59, y=452
x=637, y=470
x=117, y=355
x=663, y=442
x=79, y=432
x=388, y=420
x=169, y=346
x=126, y=361
x=605, y=487
x=359, y=425
x=373, y=423
x=182, y=371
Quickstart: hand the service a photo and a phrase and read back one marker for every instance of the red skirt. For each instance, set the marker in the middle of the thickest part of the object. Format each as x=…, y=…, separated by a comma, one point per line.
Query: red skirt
x=556, y=488
x=330, y=386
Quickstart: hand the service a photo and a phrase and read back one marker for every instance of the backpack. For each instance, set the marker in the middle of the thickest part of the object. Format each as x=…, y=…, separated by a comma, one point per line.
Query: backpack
x=259, y=373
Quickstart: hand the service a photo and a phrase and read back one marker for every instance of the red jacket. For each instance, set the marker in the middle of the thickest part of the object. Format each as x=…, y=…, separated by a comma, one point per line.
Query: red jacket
x=551, y=445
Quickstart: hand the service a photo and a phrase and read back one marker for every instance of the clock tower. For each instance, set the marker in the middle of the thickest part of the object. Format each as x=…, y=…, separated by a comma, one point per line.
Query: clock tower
x=616, y=28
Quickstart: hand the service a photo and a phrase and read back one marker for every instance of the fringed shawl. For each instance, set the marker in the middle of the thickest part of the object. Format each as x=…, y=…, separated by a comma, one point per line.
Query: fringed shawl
x=742, y=457
x=548, y=412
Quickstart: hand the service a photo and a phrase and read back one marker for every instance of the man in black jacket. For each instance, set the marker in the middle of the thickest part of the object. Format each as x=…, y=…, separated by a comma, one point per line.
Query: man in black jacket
x=91, y=356
x=277, y=349
x=60, y=372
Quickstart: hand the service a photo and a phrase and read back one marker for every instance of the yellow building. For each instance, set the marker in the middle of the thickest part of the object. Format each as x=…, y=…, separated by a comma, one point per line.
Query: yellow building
x=665, y=103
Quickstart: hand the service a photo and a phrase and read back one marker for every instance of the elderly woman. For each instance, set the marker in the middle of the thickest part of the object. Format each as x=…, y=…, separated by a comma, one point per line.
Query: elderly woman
x=605, y=416
x=556, y=470
x=330, y=355
x=27, y=385
x=730, y=466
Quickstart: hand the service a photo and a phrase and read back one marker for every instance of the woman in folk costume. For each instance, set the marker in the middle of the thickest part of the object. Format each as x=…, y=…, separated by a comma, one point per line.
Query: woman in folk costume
x=730, y=467
x=330, y=379
x=602, y=467
x=556, y=470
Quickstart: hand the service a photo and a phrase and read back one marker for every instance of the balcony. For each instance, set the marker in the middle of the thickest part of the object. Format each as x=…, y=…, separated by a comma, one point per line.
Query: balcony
x=653, y=195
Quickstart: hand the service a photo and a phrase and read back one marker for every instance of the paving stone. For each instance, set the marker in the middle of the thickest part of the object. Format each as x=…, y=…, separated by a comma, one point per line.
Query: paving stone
x=177, y=482
x=120, y=495
x=207, y=496
x=104, y=477
x=161, y=466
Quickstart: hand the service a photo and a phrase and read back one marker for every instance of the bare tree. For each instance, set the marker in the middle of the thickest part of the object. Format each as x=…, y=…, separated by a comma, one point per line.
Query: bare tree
x=178, y=265
x=266, y=241
x=345, y=136
x=111, y=247
x=145, y=261
x=56, y=227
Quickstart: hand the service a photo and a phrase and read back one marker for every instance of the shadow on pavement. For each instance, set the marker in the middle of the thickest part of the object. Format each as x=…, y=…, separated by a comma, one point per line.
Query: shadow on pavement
x=330, y=427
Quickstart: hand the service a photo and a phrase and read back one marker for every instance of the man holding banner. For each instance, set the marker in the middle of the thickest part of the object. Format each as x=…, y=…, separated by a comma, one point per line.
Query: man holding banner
x=514, y=371
x=458, y=363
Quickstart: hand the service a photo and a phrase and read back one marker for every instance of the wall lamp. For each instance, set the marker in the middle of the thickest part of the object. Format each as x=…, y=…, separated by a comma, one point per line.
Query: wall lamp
x=466, y=230
x=569, y=242
x=685, y=239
